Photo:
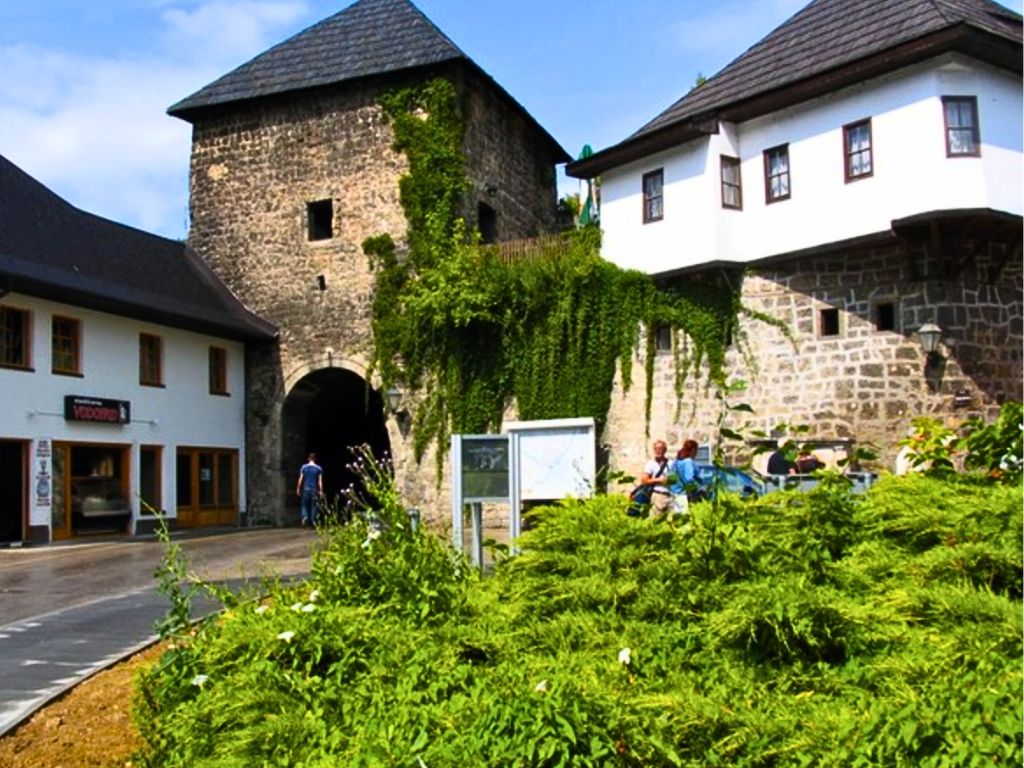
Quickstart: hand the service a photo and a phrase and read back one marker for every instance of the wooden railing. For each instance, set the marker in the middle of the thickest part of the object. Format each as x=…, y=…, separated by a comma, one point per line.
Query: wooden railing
x=512, y=251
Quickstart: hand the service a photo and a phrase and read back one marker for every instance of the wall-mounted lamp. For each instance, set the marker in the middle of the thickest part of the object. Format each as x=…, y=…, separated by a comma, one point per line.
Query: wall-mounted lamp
x=491, y=189
x=394, y=397
x=930, y=335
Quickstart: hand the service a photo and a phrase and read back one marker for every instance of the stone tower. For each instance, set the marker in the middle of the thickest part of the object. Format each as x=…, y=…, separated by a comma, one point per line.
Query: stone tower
x=292, y=168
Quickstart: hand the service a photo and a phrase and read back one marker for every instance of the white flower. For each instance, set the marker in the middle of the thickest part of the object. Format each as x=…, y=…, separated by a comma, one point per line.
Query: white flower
x=296, y=607
x=625, y=656
x=198, y=680
x=286, y=636
x=261, y=609
x=308, y=608
x=314, y=595
x=541, y=687
x=373, y=534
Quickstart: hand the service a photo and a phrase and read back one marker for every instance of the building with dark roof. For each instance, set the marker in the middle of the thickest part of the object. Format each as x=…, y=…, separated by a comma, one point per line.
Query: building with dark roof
x=292, y=168
x=858, y=172
x=122, y=368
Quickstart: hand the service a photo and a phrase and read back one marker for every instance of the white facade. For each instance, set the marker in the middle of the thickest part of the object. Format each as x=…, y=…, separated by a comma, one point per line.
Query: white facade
x=911, y=172
x=181, y=414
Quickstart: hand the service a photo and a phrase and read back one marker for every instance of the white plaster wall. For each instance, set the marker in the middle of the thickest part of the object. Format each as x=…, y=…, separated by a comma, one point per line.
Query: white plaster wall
x=911, y=172
x=182, y=413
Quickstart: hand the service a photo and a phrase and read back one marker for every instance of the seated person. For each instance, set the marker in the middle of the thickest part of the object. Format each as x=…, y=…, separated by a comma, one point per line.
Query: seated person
x=807, y=463
x=778, y=464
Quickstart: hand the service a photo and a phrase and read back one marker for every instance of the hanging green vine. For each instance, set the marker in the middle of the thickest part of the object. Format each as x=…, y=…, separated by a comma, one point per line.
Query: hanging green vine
x=471, y=335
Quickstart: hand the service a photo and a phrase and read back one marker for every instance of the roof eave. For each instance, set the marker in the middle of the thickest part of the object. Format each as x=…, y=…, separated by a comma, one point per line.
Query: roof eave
x=995, y=50
x=643, y=146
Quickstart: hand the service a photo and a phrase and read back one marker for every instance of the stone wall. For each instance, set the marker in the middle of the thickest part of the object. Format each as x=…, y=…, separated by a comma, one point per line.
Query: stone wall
x=865, y=383
x=254, y=170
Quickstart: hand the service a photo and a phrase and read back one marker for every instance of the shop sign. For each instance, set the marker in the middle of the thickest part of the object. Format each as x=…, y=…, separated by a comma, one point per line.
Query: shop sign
x=94, y=409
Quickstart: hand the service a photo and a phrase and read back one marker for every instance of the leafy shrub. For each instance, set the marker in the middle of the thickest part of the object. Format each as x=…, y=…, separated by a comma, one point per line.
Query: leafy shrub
x=800, y=630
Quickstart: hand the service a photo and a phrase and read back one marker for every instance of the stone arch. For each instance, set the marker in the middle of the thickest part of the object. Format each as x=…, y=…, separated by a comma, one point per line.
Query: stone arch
x=330, y=410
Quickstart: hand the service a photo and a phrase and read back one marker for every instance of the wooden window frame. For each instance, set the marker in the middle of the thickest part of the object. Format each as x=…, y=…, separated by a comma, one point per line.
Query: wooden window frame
x=218, y=371
x=848, y=154
x=730, y=162
x=75, y=339
x=768, y=176
x=648, y=199
x=25, y=363
x=151, y=374
x=975, y=128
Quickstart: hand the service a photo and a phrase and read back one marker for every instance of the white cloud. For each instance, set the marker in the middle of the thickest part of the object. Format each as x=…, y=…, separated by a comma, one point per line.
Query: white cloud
x=95, y=129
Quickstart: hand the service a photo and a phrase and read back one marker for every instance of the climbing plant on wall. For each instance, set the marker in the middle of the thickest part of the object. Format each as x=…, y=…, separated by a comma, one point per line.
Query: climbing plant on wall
x=471, y=335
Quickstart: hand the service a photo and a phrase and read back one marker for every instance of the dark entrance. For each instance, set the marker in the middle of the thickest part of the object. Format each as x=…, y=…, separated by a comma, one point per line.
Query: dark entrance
x=12, y=490
x=331, y=412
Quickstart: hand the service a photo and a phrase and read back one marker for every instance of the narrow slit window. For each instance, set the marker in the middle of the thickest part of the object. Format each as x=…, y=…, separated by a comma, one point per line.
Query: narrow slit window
x=14, y=337
x=218, y=371
x=151, y=372
x=487, y=221
x=663, y=338
x=653, y=184
x=66, y=346
x=732, y=191
x=885, y=316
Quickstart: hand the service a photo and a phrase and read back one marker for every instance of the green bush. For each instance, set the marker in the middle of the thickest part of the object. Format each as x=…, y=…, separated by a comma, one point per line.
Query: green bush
x=799, y=630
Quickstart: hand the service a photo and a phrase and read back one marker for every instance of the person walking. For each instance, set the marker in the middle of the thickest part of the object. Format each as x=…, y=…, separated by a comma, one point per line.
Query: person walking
x=686, y=487
x=309, y=489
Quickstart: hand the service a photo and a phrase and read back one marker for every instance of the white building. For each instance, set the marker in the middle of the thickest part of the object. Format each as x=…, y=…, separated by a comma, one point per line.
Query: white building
x=859, y=173
x=122, y=373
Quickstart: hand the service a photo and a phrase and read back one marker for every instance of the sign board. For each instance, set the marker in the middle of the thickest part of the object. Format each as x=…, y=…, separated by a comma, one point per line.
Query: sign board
x=485, y=468
x=556, y=458
x=97, y=410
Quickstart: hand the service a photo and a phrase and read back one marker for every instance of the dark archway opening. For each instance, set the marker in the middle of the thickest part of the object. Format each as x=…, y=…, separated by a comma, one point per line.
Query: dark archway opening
x=331, y=412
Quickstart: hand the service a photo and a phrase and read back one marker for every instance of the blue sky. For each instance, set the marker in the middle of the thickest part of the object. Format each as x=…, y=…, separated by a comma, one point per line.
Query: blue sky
x=85, y=84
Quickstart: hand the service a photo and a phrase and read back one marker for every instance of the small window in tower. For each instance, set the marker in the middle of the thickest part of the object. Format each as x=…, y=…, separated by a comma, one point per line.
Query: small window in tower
x=663, y=338
x=321, y=219
x=885, y=316
x=829, y=322
x=487, y=220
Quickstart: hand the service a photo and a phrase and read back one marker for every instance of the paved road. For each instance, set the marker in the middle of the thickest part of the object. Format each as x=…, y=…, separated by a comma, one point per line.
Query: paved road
x=68, y=611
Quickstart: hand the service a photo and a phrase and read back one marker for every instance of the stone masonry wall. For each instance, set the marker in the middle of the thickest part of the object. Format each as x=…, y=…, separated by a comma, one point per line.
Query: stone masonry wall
x=253, y=172
x=864, y=383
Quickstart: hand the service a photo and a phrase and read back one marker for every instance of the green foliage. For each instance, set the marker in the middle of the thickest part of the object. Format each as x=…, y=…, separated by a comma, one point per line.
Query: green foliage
x=174, y=582
x=997, y=448
x=473, y=335
x=796, y=630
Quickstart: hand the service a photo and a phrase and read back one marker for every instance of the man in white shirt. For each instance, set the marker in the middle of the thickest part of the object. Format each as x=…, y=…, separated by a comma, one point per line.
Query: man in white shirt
x=654, y=475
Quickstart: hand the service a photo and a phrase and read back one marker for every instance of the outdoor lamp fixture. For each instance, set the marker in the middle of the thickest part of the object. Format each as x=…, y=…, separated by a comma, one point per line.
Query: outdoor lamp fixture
x=394, y=398
x=930, y=335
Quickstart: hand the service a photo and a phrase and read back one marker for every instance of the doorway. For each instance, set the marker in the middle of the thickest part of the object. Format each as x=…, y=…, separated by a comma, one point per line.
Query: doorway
x=331, y=412
x=12, y=490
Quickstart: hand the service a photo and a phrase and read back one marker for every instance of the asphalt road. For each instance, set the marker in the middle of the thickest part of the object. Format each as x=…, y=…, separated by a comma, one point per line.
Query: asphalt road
x=70, y=610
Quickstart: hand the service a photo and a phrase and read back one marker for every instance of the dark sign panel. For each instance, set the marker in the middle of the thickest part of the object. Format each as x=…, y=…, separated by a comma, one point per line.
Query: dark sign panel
x=94, y=409
x=485, y=468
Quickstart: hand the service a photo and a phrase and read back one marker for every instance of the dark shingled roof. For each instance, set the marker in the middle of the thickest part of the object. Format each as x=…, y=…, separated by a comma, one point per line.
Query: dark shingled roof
x=867, y=37
x=52, y=250
x=369, y=38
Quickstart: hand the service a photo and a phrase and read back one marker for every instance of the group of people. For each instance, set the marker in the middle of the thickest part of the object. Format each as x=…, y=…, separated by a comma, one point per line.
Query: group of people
x=672, y=483
x=804, y=464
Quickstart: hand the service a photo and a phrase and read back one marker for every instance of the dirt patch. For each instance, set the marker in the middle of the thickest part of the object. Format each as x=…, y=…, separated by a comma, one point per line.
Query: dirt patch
x=88, y=727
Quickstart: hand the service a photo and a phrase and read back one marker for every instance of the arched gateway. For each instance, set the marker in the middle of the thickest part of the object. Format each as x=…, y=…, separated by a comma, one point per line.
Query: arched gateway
x=331, y=411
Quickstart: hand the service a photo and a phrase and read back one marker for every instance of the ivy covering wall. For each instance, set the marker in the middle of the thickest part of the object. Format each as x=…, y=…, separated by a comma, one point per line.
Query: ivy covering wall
x=469, y=335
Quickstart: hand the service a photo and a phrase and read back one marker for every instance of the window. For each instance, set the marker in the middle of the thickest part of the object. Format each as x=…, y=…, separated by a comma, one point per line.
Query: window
x=218, y=371
x=14, y=337
x=66, y=342
x=732, y=193
x=320, y=216
x=487, y=221
x=776, y=174
x=828, y=322
x=653, y=204
x=857, y=150
x=663, y=338
x=150, y=360
x=963, y=135
x=885, y=316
